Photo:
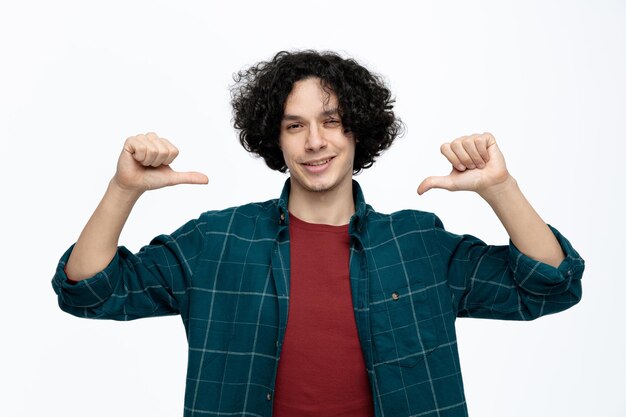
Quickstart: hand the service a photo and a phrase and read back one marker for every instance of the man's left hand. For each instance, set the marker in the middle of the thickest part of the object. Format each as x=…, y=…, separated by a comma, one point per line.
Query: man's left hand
x=477, y=165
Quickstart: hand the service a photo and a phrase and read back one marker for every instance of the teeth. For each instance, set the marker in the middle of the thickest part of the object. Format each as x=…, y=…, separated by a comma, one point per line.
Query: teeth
x=318, y=163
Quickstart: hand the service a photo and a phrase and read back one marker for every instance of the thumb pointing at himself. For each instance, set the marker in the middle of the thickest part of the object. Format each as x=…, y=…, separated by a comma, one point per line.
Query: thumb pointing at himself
x=477, y=164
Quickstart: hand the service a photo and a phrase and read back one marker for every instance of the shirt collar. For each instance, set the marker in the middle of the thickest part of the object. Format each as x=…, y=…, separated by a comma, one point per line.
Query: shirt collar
x=359, y=206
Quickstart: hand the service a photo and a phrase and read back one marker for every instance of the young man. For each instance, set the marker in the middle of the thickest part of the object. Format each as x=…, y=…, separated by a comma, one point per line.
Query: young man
x=314, y=304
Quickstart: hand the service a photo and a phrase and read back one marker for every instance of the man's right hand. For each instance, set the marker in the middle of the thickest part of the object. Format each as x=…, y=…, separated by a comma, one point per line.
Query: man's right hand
x=144, y=165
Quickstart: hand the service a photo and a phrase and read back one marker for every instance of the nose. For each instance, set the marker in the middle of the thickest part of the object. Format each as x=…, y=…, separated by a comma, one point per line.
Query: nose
x=315, y=139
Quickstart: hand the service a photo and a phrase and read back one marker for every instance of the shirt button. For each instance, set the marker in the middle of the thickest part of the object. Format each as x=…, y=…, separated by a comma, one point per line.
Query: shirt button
x=269, y=396
x=395, y=296
x=282, y=217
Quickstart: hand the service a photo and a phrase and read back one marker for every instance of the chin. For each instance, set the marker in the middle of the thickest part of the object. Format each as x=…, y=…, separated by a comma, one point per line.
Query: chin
x=319, y=188
x=315, y=186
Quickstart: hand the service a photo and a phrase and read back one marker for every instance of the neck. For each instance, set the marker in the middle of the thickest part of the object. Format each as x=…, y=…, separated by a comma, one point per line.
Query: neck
x=334, y=207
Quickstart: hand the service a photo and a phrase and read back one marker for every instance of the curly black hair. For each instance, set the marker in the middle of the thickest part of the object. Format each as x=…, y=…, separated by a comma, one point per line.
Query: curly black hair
x=365, y=103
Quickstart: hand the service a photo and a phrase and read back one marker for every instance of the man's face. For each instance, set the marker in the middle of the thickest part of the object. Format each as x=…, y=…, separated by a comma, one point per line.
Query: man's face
x=318, y=153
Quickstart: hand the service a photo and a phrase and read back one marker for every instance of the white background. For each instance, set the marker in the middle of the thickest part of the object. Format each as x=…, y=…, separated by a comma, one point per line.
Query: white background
x=547, y=78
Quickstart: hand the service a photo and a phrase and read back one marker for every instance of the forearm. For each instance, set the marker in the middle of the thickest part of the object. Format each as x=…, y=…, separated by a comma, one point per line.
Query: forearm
x=528, y=232
x=98, y=241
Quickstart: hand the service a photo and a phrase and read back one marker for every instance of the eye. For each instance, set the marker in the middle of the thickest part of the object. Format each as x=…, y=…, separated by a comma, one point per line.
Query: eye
x=332, y=122
x=293, y=126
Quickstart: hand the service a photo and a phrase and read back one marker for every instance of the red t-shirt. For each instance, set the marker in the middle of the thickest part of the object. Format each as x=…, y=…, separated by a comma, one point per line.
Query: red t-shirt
x=321, y=370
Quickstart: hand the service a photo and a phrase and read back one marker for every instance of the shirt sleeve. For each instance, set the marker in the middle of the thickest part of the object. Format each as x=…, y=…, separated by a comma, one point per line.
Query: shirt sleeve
x=152, y=282
x=500, y=282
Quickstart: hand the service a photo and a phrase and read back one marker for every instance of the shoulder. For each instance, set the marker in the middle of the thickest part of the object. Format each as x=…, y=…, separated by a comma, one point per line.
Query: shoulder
x=253, y=209
x=403, y=219
x=408, y=234
x=251, y=215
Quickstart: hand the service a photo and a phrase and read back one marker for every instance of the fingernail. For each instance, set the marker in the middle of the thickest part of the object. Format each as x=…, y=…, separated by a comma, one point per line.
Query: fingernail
x=460, y=167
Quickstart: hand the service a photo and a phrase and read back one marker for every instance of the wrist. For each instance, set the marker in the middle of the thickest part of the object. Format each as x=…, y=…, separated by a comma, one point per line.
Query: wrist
x=123, y=194
x=502, y=191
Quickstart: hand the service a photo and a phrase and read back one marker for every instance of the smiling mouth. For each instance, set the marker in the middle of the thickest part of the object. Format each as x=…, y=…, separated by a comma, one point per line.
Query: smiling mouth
x=318, y=163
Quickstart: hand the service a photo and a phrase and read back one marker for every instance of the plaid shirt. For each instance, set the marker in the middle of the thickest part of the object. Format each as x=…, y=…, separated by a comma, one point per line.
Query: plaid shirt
x=227, y=274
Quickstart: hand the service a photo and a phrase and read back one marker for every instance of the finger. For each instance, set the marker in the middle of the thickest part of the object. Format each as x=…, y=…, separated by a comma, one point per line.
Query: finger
x=444, y=182
x=188, y=178
x=152, y=151
x=149, y=149
x=481, y=146
x=469, y=145
x=136, y=147
x=447, y=151
x=172, y=152
x=162, y=155
x=457, y=147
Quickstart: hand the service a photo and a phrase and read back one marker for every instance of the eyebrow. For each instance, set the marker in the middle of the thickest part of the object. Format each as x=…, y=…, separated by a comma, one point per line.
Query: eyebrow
x=330, y=112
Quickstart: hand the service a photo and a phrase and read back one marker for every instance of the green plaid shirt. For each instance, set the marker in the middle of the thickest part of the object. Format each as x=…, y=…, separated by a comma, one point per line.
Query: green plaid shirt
x=227, y=274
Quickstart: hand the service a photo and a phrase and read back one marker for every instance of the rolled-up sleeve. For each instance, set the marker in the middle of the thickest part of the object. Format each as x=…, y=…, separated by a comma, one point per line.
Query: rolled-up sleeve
x=542, y=279
x=78, y=297
x=500, y=282
x=152, y=282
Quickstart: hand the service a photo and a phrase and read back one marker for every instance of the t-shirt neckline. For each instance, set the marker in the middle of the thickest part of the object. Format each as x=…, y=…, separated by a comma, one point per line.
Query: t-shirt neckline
x=316, y=227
